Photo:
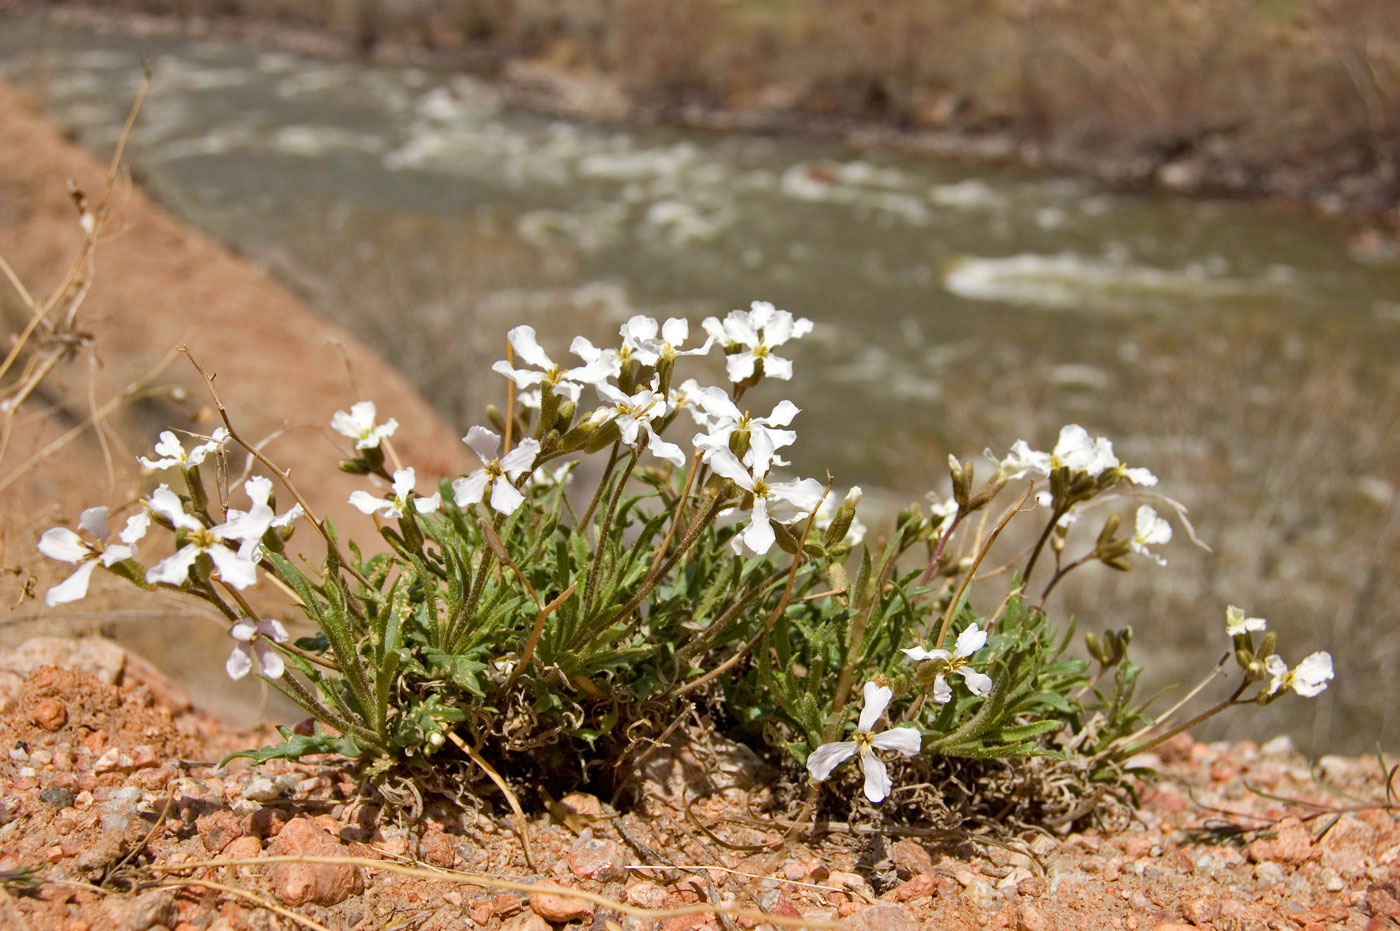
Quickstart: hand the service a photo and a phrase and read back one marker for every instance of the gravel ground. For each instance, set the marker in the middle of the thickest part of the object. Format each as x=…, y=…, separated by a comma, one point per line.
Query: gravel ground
x=109, y=787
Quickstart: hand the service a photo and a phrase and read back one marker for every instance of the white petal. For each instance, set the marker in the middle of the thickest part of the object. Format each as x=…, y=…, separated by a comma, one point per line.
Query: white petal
x=174, y=569
x=775, y=367
x=877, y=777
x=782, y=414
x=758, y=536
x=970, y=641
x=240, y=662
x=728, y=466
x=504, y=497
x=675, y=331
x=799, y=498
x=877, y=699
x=63, y=544
x=381, y=432
x=1312, y=674
x=639, y=329
x=115, y=554
x=484, y=442
x=522, y=458
x=169, y=446
x=72, y=588
x=828, y=756
x=522, y=338
x=801, y=327
x=272, y=629
x=523, y=378
x=233, y=569
x=344, y=424
x=942, y=691
x=167, y=504
x=136, y=527
x=919, y=653
x=403, y=482
x=244, y=630
x=716, y=401
x=94, y=521
x=469, y=490
x=978, y=682
x=271, y=659
x=739, y=366
x=777, y=329
x=428, y=505
x=905, y=740
x=258, y=489
x=366, y=502
x=667, y=451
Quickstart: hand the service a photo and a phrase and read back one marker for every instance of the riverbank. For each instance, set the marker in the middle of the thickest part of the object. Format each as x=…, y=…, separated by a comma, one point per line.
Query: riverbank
x=1293, y=106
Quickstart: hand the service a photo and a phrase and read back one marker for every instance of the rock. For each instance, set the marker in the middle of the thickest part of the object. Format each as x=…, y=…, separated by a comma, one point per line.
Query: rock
x=910, y=858
x=882, y=917
x=600, y=860
x=1291, y=843
x=917, y=887
x=261, y=789
x=1345, y=847
x=1031, y=919
x=302, y=883
x=1383, y=902
x=218, y=829
x=59, y=798
x=50, y=714
x=582, y=805
x=646, y=895
x=144, y=911
x=241, y=848
x=559, y=908
x=525, y=921
x=95, y=656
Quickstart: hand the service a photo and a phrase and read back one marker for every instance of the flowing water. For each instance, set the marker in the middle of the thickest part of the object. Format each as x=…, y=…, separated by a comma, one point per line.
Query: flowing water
x=1245, y=352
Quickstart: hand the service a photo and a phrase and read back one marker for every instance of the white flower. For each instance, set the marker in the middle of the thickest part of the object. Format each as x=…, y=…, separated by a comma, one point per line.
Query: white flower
x=259, y=490
x=686, y=398
x=499, y=473
x=784, y=502
x=359, y=425
x=634, y=414
x=172, y=452
x=234, y=569
x=639, y=335
x=1021, y=461
x=749, y=337
x=545, y=477
x=940, y=509
x=397, y=503
x=969, y=642
x=905, y=740
x=1150, y=530
x=63, y=544
x=1236, y=623
x=826, y=513
x=252, y=640
x=563, y=382
x=1077, y=451
x=1309, y=679
x=725, y=420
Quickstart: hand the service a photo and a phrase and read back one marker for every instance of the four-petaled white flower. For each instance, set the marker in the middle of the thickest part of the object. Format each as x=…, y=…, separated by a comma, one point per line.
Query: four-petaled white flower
x=1308, y=679
x=940, y=509
x=969, y=642
x=252, y=640
x=63, y=544
x=567, y=383
x=172, y=451
x=639, y=335
x=784, y=502
x=1020, y=462
x=359, y=425
x=1077, y=451
x=686, y=398
x=905, y=740
x=499, y=473
x=633, y=414
x=1149, y=530
x=395, y=504
x=1236, y=623
x=234, y=569
x=760, y=435
x=259, y=490
x=750, y=336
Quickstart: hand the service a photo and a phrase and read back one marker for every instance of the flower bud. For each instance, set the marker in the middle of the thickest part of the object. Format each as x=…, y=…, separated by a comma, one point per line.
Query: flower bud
x=565, y=417
x=602, y=437
x=549, y=408
x=962, y=481
x=783, y=534
x=498, y=420
x=841, y=523
x=354, y=466
x=739, y=442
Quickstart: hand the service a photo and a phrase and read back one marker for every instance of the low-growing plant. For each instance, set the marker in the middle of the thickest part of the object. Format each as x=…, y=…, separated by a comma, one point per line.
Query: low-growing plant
x=627, y=555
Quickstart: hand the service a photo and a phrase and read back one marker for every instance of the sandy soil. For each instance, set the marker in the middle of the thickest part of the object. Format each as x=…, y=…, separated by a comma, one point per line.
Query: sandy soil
x=110, y=788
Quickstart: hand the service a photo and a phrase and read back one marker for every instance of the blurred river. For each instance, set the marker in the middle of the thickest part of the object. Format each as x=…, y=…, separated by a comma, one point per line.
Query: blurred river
x=1244, y=352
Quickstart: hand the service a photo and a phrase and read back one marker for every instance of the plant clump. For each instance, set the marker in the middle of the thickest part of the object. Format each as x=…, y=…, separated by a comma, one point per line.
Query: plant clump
x=632, y=554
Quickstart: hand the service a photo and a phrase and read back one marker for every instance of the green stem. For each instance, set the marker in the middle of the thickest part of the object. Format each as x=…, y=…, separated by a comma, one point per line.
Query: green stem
x=596, y=570
x=602, y=484
x=653, y=579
